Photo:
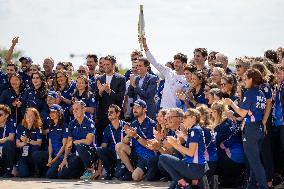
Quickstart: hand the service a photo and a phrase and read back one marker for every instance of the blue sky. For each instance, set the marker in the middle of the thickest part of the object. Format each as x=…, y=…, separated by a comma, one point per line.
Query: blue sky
x=57, y=28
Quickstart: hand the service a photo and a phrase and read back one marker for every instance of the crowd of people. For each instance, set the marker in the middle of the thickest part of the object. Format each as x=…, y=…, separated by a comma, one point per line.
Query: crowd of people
x=196, y=125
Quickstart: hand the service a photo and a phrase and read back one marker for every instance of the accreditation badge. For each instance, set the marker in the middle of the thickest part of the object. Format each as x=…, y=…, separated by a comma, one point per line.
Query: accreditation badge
x=1, y=151
x=25, y=151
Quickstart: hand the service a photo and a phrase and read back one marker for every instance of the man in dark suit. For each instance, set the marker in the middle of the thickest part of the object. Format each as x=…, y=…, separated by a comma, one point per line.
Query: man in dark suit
x=110, y=90
x=144, y=86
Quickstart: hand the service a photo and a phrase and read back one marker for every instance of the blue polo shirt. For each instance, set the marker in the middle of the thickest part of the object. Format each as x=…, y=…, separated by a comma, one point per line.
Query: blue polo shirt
x=31, y=99
x=32, y=134
x=158, y=96
x=144, y=130
x=278, y=113
x=228, y=138
x=9, y=96
x=9, y=128
x=80, y=131
x=26, y=79
x=196, y=135
x=199, y=98
x=66, y=93
x=267, y=90
x=3, y=82
x=254, y=101
x=210, y=142
x=56, y=135
x=112, y=136
x=93, y=83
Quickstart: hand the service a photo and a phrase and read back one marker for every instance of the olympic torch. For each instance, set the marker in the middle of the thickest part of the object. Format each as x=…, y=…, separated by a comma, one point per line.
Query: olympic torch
x=141, y=26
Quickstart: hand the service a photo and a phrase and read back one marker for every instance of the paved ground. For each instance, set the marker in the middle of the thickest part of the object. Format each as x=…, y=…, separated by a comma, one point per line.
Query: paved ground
x=78, y=184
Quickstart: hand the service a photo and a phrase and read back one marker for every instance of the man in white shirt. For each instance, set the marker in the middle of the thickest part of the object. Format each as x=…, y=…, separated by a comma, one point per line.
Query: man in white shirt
x=174, y=79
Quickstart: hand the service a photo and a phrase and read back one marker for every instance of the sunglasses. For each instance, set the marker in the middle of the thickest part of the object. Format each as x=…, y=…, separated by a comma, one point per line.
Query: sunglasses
x=81, y=71
x=134, y=59
x=238, y=66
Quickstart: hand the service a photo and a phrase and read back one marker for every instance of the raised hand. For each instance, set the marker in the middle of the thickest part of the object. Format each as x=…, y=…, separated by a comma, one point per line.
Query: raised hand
x=15, y=40
x=142, y=40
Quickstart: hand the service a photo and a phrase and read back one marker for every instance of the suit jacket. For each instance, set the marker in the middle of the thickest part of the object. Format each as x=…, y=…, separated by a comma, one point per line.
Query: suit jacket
x=147, y=93
x=118, y=88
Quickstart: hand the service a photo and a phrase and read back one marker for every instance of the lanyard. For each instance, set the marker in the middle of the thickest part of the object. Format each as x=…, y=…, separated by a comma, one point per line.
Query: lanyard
x=4, y=131
x=121, y=133
x=139, y=127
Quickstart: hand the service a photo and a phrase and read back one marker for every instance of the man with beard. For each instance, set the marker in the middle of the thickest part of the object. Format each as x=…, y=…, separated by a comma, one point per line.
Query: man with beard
x=26, y=63
x=136, y=157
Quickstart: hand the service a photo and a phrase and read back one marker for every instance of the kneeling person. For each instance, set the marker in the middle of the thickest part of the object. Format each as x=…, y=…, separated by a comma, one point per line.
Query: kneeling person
x=141, y=129
x=113, y=134
x=81, y=133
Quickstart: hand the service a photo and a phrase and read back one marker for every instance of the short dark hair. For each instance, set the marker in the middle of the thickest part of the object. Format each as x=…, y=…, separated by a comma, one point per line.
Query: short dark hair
x=181, y=57
x=63, y=64
x=116, y=108
x=111, y=58
x=95, y=57
x=203, y=51
x=255, y=75
x=145, y=61
x=14, y=65
x=272, y=55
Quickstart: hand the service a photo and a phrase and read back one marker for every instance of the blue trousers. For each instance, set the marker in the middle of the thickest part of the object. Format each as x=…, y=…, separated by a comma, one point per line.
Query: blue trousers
x=41, y=159
x=108, y=158
x=86, y=158
x=179, y=169
x=25, y=164
x=253, y=136
x=8, y=155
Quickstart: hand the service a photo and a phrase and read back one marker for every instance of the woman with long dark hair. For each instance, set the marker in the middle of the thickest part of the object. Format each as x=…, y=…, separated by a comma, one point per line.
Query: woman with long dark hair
x=196, y=95
x=252, y=109
x=13, y=96
x=49, y=161
x=36, y=95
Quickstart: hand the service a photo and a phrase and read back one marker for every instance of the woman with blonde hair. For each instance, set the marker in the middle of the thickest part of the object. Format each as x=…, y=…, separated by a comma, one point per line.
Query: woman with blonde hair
x=229, y=145
x=210, y=143
x=28, y=140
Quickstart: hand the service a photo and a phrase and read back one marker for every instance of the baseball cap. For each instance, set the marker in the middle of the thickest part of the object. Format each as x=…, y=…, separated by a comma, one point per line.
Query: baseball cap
x=141, y=103
x=26, y=58
x=52, y=94
x=55, y=108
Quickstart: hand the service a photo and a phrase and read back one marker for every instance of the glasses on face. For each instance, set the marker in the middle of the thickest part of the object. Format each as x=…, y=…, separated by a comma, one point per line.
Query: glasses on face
x=238, y=66
x=134, y=59
x=81, y=71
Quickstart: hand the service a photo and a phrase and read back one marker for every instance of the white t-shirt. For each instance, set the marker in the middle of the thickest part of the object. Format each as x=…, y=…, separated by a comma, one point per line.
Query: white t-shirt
x=173, y=82
x=108, y=79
